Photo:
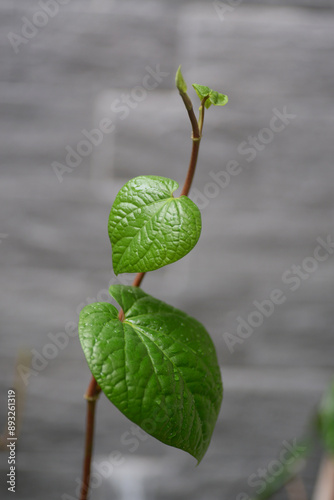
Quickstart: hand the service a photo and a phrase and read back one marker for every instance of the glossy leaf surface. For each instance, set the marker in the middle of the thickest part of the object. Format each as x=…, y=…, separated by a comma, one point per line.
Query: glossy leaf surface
x=158, y=367
x=148, y=227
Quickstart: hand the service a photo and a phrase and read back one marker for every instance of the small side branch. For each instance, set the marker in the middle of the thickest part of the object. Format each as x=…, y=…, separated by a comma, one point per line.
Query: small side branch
x=197, y=128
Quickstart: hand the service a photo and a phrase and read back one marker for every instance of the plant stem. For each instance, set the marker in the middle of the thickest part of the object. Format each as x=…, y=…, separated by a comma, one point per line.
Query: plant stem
x=91, y=395
x=136, y=282
x=138, y=279
x=192, y=116
x=94, y=390
x=201, y=115
x=196, y=138
x=192, y=167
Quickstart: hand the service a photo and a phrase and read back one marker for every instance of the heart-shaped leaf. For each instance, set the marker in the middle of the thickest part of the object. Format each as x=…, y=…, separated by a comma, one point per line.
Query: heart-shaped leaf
x=148, y=227
x=158, y=367
x=213, y=97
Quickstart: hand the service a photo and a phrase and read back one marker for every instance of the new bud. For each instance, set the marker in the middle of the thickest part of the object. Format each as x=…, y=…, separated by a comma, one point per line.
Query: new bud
x=179, y=82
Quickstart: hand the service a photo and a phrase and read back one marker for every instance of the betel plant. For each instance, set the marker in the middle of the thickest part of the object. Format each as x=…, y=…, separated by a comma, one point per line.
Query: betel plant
x=155, y=363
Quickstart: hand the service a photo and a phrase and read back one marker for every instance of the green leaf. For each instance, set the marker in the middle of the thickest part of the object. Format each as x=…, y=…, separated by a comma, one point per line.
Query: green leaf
x=179, y=82
x=326, y=419
x=148, y=227
x=213, y=97
x=221, y=100
x=201, y=90
x=158, y=367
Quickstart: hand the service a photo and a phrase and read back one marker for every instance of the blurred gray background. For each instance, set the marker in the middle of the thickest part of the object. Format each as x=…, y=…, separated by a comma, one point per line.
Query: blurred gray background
x=61, y=73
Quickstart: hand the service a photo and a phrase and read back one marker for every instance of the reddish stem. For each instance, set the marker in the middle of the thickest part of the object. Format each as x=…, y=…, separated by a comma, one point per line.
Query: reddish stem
x=196, y=138
x=192, y=167
x=191, y=114
x=136, y=282
x=91, y=395
x=138, y=279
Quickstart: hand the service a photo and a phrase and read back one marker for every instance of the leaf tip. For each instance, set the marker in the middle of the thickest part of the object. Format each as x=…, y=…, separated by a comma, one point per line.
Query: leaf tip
x=115, y=268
